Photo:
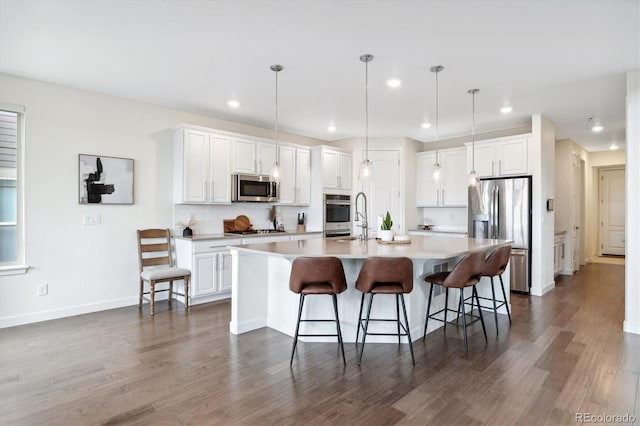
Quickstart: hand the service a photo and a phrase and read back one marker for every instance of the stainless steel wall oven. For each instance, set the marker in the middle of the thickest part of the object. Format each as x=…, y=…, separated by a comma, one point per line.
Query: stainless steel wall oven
x=337, y=215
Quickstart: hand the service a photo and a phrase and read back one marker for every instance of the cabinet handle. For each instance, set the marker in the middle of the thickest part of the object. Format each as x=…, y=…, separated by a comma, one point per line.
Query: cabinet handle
x=500, y=166
x=443, y=197
x=204, y=189
x=492, y=171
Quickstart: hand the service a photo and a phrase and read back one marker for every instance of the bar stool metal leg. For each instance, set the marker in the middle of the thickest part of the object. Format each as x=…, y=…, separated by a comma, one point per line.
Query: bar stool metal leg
x=366, y=326
x=295, y=337
x=406, y=322
x=398, y=317
x=359, y=320
x=426, y=319
x=335, y=309
x=475, y=293
x=464, y=323
x=506, y=305
x=495, y=307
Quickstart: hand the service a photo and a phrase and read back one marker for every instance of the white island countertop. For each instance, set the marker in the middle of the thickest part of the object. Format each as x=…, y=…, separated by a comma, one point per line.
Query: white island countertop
x=421, y=247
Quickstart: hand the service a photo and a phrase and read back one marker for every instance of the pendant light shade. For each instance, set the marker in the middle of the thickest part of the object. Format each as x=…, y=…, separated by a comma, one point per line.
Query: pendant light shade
x=474, y=179
x=436, y=171
x=366, y=167
x=275, y=169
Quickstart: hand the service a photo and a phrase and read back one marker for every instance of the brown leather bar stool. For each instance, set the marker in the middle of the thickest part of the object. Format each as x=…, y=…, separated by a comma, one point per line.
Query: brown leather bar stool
x=385, y=275
x=313, y=276
x=495, y=265
x=466, y=273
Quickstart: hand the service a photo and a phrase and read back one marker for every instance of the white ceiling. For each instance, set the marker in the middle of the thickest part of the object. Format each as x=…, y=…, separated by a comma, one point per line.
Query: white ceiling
x=566, y=59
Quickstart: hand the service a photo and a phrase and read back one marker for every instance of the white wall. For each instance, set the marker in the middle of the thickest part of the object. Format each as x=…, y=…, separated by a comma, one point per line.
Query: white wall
x=632, y=271
x=90, y=268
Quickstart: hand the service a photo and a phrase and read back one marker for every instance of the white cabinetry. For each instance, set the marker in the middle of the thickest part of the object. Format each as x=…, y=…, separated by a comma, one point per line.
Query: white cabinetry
x=201, y=167
x=336, y=169
x=295, y=178
x=210, y=265
x=558, y=253
x=451, y=191
x=253, y=157
x=500, y=157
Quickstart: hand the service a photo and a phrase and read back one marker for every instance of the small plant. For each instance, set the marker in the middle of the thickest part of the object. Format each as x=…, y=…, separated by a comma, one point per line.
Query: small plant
x=387, y=223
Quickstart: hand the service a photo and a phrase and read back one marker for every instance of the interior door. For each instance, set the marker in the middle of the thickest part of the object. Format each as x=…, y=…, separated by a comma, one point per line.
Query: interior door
x=612, y=212
x=383, y=192
x=575, y=209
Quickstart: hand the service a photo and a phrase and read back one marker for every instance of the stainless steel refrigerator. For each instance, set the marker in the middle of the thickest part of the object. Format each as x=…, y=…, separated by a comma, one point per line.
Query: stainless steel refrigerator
x=501, y=208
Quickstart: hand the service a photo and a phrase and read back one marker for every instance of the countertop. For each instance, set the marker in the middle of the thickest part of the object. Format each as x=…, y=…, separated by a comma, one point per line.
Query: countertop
x=200, y=237
x=421, y=247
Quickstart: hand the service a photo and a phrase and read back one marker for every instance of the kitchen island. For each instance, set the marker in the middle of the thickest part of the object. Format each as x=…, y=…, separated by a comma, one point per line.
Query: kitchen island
x=260, y=295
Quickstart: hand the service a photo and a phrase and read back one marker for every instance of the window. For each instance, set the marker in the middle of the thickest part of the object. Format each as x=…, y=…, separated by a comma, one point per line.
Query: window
x=11, y=232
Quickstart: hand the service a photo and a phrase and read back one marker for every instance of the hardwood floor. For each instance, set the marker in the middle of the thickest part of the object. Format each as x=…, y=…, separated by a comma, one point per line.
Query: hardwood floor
x=564, y=354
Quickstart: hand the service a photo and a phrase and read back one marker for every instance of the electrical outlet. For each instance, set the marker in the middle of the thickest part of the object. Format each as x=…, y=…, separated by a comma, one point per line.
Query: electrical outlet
x=91, y=219
x=43, y=289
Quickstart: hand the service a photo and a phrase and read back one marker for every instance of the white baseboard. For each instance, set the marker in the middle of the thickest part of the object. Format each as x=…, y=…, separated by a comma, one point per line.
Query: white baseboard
x=239, y=328
x=544, y=290
x=566, y=272
x=13, y=321
x=631, y=327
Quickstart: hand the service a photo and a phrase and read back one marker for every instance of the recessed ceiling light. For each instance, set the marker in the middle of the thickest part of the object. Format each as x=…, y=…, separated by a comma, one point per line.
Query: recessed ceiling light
x=597, y=128
x=331, y=128
x=506, y=109
x=425, y=125
x=233, y=103
x=393, y=83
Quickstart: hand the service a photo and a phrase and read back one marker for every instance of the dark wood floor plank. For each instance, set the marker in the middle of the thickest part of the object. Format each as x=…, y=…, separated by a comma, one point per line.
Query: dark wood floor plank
x=564, y=353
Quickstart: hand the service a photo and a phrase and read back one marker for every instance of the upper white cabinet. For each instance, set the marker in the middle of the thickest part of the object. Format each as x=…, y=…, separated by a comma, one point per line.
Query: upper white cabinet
x=252, y=157
x=500, y=157
x=201, y=167
x=336, y=169
x=451, y=191
x=295, y=177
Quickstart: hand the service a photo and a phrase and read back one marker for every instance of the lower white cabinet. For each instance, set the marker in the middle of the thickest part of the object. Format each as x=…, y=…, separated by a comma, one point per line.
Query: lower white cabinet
x=209, y=261
x=558, y=253
x=210, y=265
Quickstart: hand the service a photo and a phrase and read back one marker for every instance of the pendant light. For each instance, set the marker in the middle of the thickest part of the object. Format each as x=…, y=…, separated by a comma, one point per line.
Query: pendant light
x=474, y=180
x=366, y=167
x=275, y=169
x=436, y=171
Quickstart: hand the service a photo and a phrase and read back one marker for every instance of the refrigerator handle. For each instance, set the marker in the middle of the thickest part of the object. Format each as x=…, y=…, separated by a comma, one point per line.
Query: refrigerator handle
x=494, y=219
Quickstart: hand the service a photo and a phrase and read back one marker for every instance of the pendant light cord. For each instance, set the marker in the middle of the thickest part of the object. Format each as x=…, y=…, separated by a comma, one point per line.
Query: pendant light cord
x=366, y=108
x=276, y=126
x=437, y=160
x=473, y=131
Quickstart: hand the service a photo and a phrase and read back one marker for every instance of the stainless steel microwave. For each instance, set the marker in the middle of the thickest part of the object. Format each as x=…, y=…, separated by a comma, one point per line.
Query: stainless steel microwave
x=252, y=188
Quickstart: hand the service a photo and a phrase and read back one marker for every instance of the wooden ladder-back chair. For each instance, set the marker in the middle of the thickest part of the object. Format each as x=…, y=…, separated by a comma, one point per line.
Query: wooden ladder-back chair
x=156, y=266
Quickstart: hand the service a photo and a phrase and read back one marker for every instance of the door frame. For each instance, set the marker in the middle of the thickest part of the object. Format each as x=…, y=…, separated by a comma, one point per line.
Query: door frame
x=622, y=168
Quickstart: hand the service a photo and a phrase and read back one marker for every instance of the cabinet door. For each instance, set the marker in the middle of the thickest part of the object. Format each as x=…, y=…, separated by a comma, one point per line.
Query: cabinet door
x=195, y=166
x=512, y=157
x=266, y=156
x=426, y=188
x=287, y=175
x=244, y=156
x=205, y=274
x=219, y=174
x=330, y=169
x=303, y=176
x=225, y=271
x=485, y=159
x=344, y=170
x=455, y=178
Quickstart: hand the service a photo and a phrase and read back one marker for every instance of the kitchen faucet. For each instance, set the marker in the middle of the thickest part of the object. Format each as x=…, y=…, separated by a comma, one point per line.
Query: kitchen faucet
x=365, y=222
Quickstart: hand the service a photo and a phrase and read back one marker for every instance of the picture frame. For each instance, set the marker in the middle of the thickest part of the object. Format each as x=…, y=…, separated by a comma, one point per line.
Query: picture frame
x=105, y=180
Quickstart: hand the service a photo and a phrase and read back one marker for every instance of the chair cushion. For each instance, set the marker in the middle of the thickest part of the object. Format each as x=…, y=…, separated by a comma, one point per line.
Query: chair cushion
x=437, y=278
x=164, y=273
x=387, y=288
x=317, y=288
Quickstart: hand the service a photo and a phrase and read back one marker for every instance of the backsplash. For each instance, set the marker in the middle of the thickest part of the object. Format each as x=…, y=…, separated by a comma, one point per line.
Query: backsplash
x=451, y=217
x=209, y=218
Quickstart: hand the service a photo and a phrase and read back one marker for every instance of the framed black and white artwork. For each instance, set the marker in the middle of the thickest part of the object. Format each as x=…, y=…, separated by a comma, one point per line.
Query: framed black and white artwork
x=105, y=180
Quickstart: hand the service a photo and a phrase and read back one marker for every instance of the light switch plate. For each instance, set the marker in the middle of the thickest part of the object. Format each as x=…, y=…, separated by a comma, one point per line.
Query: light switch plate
x=91, y=219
